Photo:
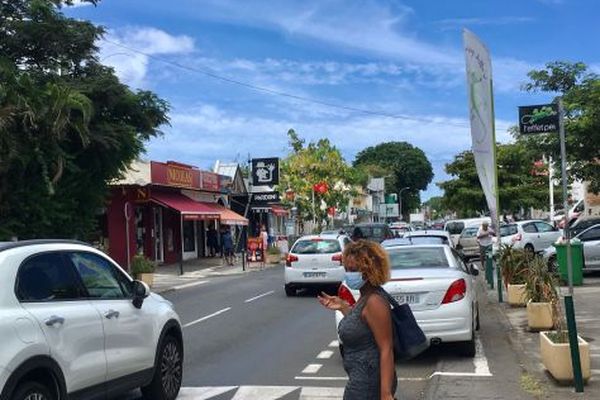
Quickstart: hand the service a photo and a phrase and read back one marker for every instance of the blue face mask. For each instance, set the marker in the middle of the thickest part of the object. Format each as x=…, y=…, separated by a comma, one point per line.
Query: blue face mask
x=354, y=280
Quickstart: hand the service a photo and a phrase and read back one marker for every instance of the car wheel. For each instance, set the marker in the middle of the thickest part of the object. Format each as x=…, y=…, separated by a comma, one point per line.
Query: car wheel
x=529, y=248
x=289, y=291
x=32, y=391
x=168, y=372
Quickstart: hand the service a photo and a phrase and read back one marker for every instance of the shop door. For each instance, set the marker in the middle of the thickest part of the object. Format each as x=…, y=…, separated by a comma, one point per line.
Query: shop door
x=190, y=247
x=158, y=235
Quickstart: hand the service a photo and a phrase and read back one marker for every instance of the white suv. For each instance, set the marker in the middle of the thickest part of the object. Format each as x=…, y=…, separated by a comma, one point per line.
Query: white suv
x=74, y=325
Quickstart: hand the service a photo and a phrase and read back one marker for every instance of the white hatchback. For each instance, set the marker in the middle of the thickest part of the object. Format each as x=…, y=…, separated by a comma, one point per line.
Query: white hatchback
x=440, y=290
x=315, y=261
x=74, y=325
x=533, y=235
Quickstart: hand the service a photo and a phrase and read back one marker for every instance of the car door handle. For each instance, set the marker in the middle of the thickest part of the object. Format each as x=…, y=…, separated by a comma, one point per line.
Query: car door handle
x=112, y=314
x=54, y=320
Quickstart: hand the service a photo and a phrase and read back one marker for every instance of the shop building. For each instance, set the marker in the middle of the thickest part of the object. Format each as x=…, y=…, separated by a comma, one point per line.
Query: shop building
x=164, y=211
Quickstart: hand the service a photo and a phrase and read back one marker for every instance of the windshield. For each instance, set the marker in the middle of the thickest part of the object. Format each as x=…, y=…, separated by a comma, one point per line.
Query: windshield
x=508, y=230
x=469, y=233
x=428, y=240
x=316, y=246
x=455, y=228
x=370, y=232
x=418, y=257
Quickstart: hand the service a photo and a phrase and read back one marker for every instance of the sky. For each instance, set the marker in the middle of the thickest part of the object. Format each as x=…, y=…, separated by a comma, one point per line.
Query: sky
x=394, y=69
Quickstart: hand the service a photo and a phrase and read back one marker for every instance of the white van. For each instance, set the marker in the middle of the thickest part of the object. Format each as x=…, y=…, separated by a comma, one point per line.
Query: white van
x=455, y=226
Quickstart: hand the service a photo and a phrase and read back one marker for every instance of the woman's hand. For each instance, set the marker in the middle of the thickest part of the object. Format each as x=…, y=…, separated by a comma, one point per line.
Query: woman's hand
x=333, y=303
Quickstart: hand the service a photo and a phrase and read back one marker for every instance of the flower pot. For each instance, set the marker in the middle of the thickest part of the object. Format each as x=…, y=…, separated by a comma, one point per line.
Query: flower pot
x=556, y=357
x=147, y=278
x=539, y=316
x=517, y=295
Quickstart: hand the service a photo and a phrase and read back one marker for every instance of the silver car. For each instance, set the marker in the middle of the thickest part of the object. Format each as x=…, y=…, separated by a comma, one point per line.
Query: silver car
x=591, y=250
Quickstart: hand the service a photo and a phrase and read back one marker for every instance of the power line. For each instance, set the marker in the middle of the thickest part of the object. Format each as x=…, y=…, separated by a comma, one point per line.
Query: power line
x=263, y=89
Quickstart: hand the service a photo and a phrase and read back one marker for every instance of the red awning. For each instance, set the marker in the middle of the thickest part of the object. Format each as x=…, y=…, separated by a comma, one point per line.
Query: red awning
x=197, y=210
x=229, y=217
x=279, y=211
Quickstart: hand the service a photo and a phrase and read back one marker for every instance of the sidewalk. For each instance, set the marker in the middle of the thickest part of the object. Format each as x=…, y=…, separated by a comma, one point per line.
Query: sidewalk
x=526, y=344
x=168, y=278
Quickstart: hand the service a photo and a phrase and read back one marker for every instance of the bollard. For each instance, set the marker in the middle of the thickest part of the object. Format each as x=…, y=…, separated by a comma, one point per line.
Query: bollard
x=489, y=267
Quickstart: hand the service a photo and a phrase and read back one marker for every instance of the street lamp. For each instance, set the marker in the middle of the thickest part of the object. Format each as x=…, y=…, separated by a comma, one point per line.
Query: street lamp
x=400, y=200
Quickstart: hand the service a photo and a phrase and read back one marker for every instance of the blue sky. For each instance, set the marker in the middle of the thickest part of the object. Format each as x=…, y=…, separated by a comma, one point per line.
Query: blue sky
x=391, y=57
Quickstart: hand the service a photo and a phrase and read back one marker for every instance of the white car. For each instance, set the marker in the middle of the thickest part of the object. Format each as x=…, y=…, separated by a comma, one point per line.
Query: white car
x=440, y=289
x=531, y=235
x=74, y=325
x=315, y=260
x=443, y=236
x=590, y=238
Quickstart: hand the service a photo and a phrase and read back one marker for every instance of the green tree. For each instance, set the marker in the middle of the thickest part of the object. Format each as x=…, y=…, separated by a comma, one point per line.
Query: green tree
x=518, y=186
x=403, y=165
x=436, y=206
x=311, y=164
x=580, y=91
x=67, y=125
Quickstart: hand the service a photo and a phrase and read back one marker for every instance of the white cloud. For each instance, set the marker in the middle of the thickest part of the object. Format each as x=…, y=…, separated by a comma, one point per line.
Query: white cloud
x=453, y=23
x=132, y=67
x=80, y=3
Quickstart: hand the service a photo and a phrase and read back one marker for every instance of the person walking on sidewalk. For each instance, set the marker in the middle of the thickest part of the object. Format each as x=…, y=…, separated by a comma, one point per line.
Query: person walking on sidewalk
x=485, y=240
x=212, y=238
x=227, y=243
x=366, y=329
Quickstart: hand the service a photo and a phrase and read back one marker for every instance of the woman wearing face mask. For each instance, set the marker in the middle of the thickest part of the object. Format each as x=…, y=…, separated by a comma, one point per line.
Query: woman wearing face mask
x=366, y=329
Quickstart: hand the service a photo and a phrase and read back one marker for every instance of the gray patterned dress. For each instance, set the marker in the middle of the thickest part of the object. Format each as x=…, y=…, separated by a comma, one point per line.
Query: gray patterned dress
x=361, y=356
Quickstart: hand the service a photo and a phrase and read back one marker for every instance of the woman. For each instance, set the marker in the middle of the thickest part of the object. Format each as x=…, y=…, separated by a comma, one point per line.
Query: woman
x=366, y=329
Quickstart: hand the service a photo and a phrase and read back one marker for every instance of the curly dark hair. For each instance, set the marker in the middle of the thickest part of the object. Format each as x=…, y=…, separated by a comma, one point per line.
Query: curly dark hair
x=371, y=259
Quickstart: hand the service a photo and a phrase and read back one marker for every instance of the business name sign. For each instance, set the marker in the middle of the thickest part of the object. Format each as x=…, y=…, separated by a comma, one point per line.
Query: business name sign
x=183, y=176
x=542, y=118
x=265, y=198
x=265, y=171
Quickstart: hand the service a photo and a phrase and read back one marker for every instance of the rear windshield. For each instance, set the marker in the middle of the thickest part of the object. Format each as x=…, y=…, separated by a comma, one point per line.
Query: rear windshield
x=455, y=228
x=317, y=246
x=370, y=232
x=508, y=230
x=411, y=257
x=469, y=232
x=428, y=240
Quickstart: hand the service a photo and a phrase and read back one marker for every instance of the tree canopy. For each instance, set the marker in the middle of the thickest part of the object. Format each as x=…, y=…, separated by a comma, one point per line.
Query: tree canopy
x=403, y=165
x=67, y=125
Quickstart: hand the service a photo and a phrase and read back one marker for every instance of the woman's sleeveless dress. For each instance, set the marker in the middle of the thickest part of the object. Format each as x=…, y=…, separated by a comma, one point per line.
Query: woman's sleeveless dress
x=361, y=357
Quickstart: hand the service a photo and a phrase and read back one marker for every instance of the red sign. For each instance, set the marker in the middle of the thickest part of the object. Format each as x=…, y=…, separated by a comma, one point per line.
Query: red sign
x=184, y=176
x=209, y=181
x=255, y=250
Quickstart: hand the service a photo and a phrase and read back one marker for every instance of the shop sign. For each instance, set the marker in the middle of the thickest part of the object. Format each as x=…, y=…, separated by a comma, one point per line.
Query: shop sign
x=179, y=176
x=175, y=174
x=265, y=171
x=209, y=181
x=142, y=195
x=265, y=198
x=538, y=119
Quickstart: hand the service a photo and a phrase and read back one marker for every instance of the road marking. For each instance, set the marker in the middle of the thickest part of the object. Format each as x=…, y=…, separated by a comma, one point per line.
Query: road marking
x=335, y=343
x=480, y=361
x=207, y=317
x=188, y=285
x=259, y=296
x=325, y=354
x=263, y=392
x=308, y=393
x=312, y=368
x=345, y=378
x=203, y=393
x=464, y=374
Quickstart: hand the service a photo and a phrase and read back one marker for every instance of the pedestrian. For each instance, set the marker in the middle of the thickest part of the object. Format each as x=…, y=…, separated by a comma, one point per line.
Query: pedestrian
x=265, y=238
x=366, y=329
x=212, y=239
x=485, y=239
x=227, y=244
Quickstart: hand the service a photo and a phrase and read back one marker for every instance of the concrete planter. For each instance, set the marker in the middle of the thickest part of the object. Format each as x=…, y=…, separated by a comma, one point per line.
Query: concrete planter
x=517, y=296
x=147, y=278
x=539, y=316
x=556, y=357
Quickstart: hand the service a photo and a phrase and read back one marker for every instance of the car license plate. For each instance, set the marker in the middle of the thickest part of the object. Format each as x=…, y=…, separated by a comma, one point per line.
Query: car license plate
x=407, y=298
x=315, y=274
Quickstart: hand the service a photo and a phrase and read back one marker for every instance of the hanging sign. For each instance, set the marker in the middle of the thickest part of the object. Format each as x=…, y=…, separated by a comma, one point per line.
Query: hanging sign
x=538, y=119
x=265, y=198
x=265, y=171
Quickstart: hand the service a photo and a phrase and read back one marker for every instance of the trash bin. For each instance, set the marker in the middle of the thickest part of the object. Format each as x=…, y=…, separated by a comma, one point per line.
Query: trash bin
x=576, y=260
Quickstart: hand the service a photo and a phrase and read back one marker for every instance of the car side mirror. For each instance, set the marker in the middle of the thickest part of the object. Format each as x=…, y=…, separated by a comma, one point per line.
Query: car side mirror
x=459, y=247
x=140, y=291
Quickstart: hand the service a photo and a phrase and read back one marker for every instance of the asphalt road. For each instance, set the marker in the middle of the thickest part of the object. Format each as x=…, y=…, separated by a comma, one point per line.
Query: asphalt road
x=246, y=340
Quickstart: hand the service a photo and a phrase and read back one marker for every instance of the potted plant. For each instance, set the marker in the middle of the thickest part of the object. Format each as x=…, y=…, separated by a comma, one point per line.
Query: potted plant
x=143, y=269
x=513, y=267
x=541, y=288
x=273, y=255
x=556, y=351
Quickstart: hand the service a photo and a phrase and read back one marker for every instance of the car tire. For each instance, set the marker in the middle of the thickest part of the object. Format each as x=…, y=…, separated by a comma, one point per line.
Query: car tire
x=289, y=291
x=529, y=248
x=31, y=390
x=168, y=371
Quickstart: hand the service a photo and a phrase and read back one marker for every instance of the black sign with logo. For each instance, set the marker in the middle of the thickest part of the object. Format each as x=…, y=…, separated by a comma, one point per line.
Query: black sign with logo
x=265, y=171
x=265, y=198
x=542, y=118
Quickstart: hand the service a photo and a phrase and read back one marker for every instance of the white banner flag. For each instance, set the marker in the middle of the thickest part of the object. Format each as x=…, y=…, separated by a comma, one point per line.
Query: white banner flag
x=481, y=109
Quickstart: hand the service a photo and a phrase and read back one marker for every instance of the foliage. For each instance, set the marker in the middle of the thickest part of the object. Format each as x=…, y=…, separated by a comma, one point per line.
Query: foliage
x=580, y=91
x=518, y=187
x=436, y=205
x=541, y=284
x=403, y=165
x=141, y=265
x=310, y=164
x=67, y=125
x=514, y=265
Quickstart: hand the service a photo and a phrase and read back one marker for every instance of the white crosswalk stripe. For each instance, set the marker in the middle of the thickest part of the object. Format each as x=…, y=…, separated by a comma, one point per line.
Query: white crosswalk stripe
x=261, y=392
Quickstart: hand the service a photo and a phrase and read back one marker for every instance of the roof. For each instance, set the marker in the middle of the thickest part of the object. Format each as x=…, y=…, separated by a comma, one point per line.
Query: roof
x=227, y=169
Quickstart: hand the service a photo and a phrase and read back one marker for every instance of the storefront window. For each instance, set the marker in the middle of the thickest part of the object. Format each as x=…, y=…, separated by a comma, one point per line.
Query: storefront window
x=189, y=238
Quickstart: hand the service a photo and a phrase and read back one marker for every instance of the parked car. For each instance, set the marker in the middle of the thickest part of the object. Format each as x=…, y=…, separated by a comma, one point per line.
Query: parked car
x=399, y=231
x=440, y=290
x=377, y=232
x=591, y=250
x=443, y=236
x=581, y=224
x=74, y=325
x=456, y=226
x=467, y=243
x=315, y=261
x=407, y=241
x=532, y=235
